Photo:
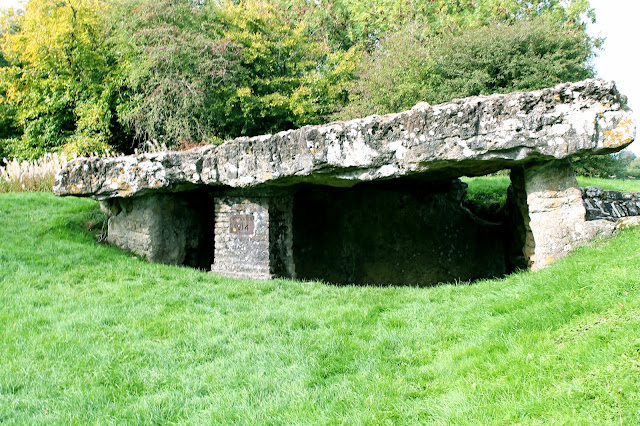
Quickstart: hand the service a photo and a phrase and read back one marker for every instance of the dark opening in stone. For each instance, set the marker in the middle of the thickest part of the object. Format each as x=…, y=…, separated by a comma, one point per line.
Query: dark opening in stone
x=200, y=255
x=401, y=232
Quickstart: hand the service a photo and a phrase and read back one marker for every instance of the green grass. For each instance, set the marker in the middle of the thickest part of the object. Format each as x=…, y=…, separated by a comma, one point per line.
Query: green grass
x=622, y=185
x=91, y=335
x=485, y=190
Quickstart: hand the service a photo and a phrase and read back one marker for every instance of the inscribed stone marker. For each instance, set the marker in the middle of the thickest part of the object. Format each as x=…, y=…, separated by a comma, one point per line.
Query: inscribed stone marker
x=241, y=224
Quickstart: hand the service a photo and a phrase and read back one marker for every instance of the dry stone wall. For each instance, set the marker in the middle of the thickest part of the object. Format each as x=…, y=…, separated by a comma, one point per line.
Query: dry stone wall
x=609, y=205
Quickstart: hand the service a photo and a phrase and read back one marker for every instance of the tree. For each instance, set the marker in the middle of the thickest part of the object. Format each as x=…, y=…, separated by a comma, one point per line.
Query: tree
x=345, y=23
x=618, y=165
x=526, y=55
x=84, y=75
x=207, y=72
x=60, y=76
x=633, y=170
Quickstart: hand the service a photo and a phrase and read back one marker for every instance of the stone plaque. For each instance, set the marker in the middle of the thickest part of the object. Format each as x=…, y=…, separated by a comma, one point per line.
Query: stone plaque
x=241, y=224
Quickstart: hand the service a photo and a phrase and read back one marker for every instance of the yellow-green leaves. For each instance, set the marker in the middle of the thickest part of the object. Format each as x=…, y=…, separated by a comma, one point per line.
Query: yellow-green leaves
x=58, y=76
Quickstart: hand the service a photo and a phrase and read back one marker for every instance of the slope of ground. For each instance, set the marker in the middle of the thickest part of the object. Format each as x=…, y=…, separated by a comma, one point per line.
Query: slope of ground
x=89, y=334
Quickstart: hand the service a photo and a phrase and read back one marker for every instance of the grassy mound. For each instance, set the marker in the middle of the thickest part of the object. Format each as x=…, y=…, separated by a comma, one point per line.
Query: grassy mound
x=91, y=335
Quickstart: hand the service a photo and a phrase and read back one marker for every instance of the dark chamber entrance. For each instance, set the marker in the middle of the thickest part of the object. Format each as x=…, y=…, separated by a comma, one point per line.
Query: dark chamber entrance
x=400, y=232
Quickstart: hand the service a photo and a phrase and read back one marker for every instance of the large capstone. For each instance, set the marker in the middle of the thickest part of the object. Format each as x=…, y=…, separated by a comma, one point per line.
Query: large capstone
x=471, y=136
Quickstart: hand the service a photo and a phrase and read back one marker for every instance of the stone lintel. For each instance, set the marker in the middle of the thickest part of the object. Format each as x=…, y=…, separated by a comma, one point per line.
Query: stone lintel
x=464, y=137
x=253, y=236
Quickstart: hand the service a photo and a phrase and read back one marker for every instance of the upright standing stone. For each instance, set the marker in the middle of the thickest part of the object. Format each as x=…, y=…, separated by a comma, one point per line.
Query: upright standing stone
x=556, y=214
x=253, y=236
x=160, y=227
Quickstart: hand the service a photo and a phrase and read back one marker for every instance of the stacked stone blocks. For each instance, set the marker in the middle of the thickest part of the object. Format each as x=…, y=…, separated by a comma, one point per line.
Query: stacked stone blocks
x=253, y=237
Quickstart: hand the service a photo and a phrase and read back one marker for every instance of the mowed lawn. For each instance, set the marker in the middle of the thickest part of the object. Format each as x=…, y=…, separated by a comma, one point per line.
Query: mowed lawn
x=91, y=335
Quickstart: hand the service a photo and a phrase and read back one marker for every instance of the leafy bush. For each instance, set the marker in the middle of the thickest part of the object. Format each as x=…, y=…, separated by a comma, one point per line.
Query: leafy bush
x=85, y=75
x=611, y=165
x=214, y=71
x=58, y=83
x=525, y=55
x=634, y=168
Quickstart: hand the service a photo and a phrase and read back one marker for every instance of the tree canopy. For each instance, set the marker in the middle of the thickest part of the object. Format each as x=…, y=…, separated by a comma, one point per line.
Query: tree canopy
x=58, y=85
x=85, y=75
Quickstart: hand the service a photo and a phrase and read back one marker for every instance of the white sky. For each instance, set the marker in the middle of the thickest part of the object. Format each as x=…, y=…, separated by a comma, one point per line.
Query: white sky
x=617, y=20
x=10, y=3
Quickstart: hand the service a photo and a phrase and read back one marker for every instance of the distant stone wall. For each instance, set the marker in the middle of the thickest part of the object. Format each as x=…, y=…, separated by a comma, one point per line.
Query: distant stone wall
x=609, y=205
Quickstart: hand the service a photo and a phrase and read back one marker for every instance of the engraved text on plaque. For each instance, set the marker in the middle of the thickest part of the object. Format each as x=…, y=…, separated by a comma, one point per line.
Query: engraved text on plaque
x=241, y=224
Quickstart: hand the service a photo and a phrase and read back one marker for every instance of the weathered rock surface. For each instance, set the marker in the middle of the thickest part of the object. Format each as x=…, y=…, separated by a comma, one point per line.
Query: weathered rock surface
x=374, y=200
x=471, y=136
x=555, y=214
x=162, y=228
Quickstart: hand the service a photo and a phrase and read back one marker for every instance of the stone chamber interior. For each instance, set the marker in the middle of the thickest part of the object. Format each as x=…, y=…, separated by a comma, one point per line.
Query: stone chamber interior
x=400, y=232
x=397, y=232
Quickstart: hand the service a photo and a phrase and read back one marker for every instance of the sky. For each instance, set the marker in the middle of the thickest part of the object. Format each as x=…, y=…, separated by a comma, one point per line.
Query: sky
x=617, y=21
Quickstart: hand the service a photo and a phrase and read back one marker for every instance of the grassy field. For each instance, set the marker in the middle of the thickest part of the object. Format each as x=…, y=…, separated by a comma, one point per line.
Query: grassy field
x=493, y=189
x=90, y=335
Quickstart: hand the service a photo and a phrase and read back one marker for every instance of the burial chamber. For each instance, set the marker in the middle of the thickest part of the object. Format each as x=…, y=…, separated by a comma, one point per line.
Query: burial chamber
x=375, y=200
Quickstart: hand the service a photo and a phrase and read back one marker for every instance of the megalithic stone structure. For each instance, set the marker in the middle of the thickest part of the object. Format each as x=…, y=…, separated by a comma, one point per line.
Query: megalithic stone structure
x=373, y=200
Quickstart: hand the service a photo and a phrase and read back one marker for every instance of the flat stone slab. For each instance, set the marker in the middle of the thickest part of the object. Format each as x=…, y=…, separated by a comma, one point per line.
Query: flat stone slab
x=471, y=136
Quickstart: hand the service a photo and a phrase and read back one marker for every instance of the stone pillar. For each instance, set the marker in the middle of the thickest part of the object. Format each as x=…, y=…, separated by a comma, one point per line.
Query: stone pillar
x=160, y=227
x=555, y=216
x=253, y=236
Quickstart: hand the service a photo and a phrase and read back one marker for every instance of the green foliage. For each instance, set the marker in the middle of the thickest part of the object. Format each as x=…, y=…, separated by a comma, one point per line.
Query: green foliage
x=525, y=55
x=346, y=23
x=634, y=168
x=84, y=75
x=487, y=191
x=89, y=334
x=611, y=165
x=214, y=71
x=620, y=185
x=59, y=82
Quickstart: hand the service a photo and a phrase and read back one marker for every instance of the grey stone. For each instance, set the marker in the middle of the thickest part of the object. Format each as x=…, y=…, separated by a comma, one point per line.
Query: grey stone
x=160, y=228
x=556, y=213
x=253, y=236
x=609, y=205
x=627, y=222
x=471, y=136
